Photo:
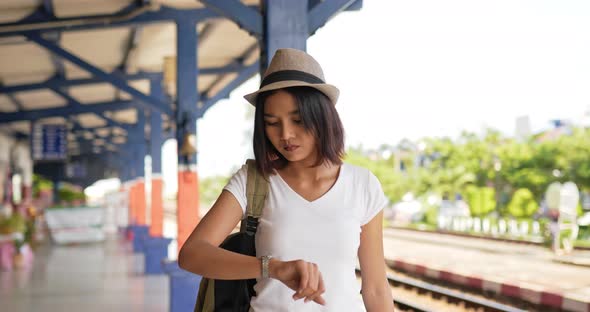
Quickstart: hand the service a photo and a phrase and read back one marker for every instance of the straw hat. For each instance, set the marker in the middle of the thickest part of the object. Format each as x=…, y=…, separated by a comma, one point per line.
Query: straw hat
x=294, y=68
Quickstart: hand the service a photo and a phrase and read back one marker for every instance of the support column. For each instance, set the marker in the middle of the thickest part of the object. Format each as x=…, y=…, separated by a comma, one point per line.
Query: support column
x=285, y=26
x=156, y=142
x=187, y=97
x=138, y=149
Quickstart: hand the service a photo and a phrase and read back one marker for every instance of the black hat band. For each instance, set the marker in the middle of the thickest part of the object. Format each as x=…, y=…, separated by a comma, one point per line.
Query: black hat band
x=285, y=75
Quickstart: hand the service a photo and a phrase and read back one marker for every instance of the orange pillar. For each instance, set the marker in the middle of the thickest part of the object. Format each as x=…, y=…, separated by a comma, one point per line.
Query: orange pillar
x=140, y=202
x=187, y=204
x=132, y=204
x=157, y=211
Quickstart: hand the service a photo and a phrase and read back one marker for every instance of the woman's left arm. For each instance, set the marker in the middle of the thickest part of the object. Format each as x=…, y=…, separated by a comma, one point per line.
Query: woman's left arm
x=375, y=287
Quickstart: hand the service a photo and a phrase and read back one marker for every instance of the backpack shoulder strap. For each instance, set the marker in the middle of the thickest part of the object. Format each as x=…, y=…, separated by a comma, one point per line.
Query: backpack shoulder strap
x=256, y=192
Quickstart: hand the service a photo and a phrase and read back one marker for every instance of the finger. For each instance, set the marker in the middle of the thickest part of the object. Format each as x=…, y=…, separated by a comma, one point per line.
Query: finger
x=320, y=300
x=313, y=282
x=306, y=289
x=303, y=278
x=317, y=296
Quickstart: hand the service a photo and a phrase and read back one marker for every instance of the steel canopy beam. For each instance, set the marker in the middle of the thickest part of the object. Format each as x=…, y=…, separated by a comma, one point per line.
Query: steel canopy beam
x=64, y=111
x=40, y=21
x=246, y=17
x=74, y=103
x=244, y=75
x=59, y=82
x=145, y=100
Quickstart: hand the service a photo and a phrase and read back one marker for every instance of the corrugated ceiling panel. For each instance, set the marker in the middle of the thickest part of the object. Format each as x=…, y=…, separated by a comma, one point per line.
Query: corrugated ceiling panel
x=69, y=8
x=6, y=105
x=21, y=126
x=103, y=132
x=52, y=121
x=141, y=85
x=104, y=48
x=14, y=10
x=95, y=93
x=157, y=41
x=125, y=116
x=23, y=59
x=90, y=120
x=217, y=50
x=40, y=99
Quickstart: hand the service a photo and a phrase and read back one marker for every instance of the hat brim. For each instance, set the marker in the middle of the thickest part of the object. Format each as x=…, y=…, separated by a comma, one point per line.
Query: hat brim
x=329, y=90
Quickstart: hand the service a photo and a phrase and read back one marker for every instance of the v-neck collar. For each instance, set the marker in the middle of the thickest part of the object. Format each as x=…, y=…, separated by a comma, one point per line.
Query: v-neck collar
x=338, y=178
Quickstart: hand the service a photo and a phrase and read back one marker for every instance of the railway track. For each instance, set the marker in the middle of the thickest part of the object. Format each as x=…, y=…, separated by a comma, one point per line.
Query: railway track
x=491, y=238
x=415, y=295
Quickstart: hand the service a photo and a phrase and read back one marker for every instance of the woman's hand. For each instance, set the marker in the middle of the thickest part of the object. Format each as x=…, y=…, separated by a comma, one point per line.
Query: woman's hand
x=303, y=277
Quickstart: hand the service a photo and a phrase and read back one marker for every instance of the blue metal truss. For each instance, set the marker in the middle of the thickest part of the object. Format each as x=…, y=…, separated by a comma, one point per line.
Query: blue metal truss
x=132, y=15
x=186, y=83
x=246, y=17
x=60, y=82
x=247, y=73
x=55, y=37
x=48, y=7
x=64, y=111
x=74, y=103
x=147, y=101
x=131, y=44
x=17, y=102
x=156, y=136
x=60, y=69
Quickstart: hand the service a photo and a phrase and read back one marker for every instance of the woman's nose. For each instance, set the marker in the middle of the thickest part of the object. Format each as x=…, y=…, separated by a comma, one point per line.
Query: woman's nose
x=286, y=132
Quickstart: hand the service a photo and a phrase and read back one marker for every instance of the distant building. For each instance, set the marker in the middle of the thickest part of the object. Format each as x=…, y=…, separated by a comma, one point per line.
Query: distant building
x=523, y=127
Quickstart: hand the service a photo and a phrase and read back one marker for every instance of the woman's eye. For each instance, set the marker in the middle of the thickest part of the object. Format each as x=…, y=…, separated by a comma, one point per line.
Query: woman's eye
x=268, y=123
x=298, y=121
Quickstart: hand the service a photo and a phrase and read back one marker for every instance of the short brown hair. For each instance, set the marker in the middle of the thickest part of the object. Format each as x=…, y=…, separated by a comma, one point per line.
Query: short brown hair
x=319, y=116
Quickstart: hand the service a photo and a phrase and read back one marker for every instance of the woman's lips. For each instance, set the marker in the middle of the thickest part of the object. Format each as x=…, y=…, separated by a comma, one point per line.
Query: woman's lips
x=290, y=148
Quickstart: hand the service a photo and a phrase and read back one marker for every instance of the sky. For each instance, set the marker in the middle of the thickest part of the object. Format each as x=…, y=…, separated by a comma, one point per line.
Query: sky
x=430, y=68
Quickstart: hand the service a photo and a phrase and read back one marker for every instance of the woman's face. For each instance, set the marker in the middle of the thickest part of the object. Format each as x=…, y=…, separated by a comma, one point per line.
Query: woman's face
x=284, y=128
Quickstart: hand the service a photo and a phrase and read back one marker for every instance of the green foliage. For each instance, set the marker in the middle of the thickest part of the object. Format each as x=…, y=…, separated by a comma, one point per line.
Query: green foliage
x=210, y=188
x=40, y=184
x=523, y=204
x=481, y=200
x=501, y=165
x=430, y=214
x=14, y=223
x=395, y=184
x=68, y=195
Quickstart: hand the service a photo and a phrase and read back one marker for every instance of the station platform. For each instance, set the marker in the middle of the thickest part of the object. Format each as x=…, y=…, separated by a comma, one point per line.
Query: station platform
x=109, y=276
x=104, y=276
x=527, y=272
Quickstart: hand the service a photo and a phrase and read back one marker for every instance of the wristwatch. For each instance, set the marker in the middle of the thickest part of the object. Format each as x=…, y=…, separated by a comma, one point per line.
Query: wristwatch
x=265, y=261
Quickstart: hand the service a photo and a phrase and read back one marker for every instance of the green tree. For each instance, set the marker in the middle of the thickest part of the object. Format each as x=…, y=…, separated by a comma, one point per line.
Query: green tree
x=523, y=204
x=481, y=200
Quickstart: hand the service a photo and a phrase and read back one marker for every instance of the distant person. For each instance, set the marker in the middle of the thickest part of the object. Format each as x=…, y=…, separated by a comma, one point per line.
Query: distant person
x=320, y=214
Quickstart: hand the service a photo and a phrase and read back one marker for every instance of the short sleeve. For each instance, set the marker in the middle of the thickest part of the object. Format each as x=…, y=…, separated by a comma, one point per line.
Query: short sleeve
x=237, y=186
x=375, y=199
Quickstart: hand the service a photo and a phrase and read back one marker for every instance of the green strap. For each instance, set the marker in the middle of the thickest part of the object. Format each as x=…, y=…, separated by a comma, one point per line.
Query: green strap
x=256, y=191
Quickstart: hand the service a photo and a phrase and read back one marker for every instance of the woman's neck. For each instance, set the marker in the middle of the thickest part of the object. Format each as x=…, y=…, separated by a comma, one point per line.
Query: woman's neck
x=308, y=172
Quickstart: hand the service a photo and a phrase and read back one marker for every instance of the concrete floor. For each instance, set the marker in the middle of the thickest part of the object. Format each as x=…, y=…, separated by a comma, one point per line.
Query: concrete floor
x=92, y=277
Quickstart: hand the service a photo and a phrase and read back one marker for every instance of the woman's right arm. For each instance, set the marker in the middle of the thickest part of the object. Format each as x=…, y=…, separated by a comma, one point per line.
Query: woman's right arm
x=200, y=253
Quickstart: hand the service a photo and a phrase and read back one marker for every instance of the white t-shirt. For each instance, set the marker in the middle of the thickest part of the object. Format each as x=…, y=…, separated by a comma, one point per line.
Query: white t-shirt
x=325, y=231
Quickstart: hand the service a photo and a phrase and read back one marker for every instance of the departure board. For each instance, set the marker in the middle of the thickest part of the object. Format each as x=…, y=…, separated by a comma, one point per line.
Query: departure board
x=49, y=142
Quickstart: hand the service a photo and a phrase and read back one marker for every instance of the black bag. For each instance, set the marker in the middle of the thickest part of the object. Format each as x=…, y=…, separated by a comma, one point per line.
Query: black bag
x=234, y=295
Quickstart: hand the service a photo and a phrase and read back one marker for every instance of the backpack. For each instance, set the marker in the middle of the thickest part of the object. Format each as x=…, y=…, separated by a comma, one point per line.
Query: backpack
x=234, y=295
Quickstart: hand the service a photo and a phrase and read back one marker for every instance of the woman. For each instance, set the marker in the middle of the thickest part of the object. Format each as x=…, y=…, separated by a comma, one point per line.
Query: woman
x=320, y=214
